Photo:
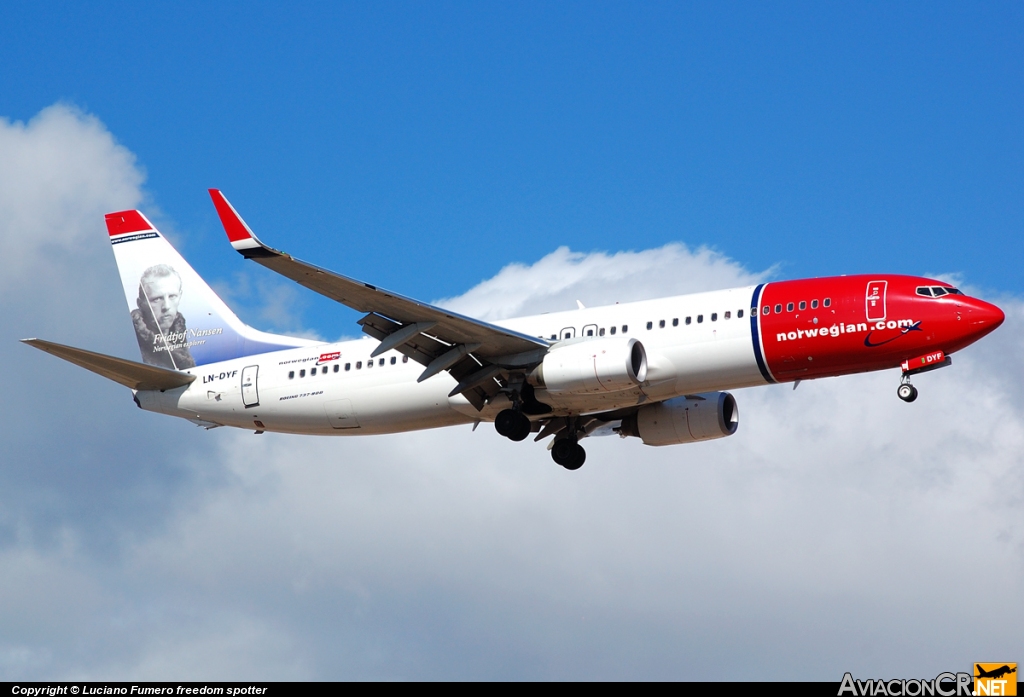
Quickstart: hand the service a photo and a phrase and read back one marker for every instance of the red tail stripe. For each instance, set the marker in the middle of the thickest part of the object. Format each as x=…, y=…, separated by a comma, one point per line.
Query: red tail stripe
x=126, y=221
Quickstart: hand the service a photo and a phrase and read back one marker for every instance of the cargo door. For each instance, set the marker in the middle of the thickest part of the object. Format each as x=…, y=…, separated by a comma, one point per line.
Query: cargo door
x=876, y=300
x=341, y=414
x=250, y=393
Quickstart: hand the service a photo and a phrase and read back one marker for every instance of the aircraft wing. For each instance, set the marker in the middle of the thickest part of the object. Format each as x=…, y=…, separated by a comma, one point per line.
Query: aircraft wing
x=137, y=376
x=475, y=353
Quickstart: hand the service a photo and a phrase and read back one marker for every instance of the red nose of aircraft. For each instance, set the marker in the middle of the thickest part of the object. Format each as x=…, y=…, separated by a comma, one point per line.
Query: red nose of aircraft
x=983, y=317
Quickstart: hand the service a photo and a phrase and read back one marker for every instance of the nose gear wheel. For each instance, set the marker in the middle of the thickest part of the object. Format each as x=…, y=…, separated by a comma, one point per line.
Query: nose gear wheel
x=906, y=391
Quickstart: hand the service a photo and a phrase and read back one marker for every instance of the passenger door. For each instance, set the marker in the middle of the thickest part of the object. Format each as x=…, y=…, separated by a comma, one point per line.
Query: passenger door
x=876, y=300
x=250, y=393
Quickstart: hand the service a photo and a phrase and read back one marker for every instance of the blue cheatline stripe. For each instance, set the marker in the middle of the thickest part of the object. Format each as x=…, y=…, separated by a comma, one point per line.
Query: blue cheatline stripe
x=755, y=303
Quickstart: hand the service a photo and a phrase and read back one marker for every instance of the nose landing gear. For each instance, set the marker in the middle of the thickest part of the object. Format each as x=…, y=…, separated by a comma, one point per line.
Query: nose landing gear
x=906, y=391
x=922, y=364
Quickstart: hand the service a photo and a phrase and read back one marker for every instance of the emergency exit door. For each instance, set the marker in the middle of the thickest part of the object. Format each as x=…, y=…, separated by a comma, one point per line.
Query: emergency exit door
x=876, y=300
x=250, y=393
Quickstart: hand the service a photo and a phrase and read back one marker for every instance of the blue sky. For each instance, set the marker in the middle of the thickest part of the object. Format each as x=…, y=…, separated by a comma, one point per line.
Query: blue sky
x=511, y=158
x=423, y=146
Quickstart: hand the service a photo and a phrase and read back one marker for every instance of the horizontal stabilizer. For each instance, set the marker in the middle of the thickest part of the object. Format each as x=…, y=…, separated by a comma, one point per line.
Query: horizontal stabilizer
x=137, y=376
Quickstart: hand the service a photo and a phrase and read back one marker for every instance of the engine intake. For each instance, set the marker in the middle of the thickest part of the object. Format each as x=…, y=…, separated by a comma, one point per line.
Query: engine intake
x=684, y=419
x=597, y=365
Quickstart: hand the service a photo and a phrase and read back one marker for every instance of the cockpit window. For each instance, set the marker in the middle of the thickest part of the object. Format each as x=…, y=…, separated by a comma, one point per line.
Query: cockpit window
x=937, y=291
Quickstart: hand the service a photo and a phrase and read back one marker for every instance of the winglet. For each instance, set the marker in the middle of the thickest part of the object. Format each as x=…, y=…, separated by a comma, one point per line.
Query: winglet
x=239, y=234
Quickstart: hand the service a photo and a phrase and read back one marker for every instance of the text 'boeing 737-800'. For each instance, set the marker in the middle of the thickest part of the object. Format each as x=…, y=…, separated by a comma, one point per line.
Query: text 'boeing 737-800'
x=657, y=370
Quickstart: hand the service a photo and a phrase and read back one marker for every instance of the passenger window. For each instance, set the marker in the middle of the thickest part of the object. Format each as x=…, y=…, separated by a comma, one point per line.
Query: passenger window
x=291, y=374
x=675, y=321
x=348, y=366
x=814, y=304
x=337, y=367
x=625, y=328
x=728, y=314
x=689, y=319
x=613, y=331
x=661, y=324
x=766, y=310
x=381, y=362
x=700, y=318
x=789, y=307
x=554, y=337
x=714, y=316
x=369, y=363
x=405, y=359
x=302, y=373
x=828, y=301
x=394, y=359
x=359, y=365
x=650, y=325
x=803, y=304
x=739, y=313
x=600, y=332
x=778, y=309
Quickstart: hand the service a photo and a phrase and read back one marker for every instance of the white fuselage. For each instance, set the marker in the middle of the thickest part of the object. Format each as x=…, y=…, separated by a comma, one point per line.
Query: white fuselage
x=331, y=388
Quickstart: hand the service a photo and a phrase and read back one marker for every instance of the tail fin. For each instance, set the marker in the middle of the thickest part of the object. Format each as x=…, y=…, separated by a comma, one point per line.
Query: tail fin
x=179, y=321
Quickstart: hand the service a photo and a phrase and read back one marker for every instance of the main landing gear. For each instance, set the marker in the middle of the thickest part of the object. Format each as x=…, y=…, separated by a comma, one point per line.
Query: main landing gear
x=568, y=453
x=565, y=451
x=513, y=424
x=906, y=391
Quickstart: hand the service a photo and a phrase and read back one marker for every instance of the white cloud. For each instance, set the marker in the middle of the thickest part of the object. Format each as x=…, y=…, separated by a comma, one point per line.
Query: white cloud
x=61, y=172
x=561, y=278
x=840, y=529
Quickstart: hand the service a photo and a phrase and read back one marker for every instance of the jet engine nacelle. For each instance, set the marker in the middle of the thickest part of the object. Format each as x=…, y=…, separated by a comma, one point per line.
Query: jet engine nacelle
x=684, y=419
x=592, y=366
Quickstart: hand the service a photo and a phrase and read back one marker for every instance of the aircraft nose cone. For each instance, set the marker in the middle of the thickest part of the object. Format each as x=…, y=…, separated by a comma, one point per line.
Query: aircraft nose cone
x=986, y=315
x=983, y=317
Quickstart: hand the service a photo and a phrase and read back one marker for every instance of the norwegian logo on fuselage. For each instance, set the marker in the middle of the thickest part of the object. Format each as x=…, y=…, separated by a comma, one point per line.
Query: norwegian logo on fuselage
x=325, y=357
x=837, y=330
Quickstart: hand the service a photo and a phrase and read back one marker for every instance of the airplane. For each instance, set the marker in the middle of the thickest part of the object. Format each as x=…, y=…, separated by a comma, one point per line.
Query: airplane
x=657, y=370
x=995, y=673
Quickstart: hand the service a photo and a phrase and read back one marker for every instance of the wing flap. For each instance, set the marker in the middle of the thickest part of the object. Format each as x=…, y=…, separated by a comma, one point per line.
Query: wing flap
x=421, y=348
x=137, y=376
